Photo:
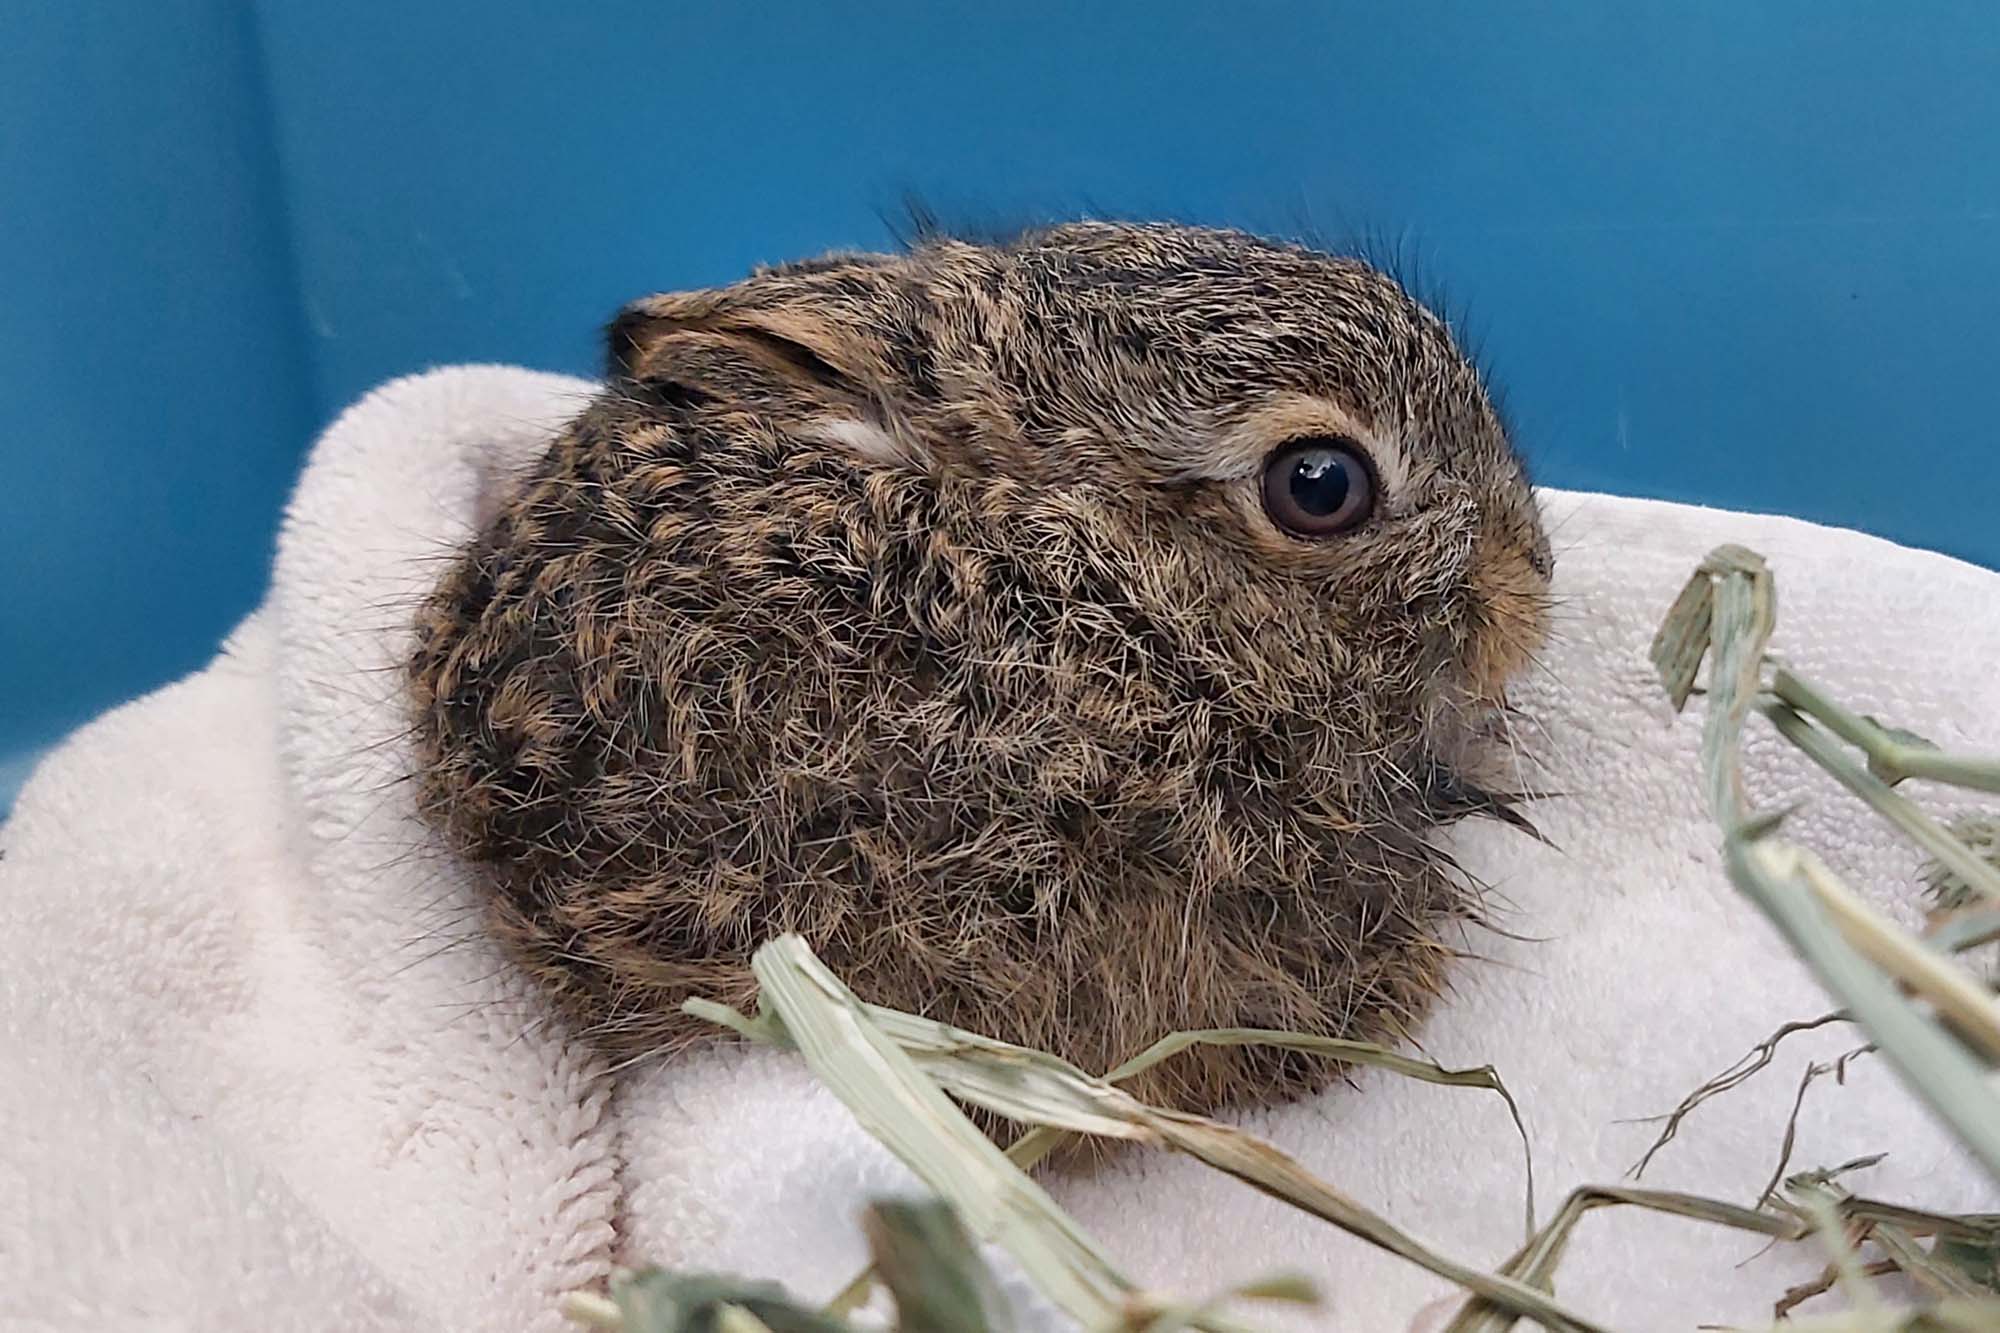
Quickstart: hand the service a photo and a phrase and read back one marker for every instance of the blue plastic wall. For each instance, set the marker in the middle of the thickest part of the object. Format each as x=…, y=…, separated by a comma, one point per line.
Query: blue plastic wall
x=1743, y=253
x=155, y=383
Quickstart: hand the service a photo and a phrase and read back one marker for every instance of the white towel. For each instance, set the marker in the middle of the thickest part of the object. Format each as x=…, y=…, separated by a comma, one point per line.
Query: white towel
x=259, y=1068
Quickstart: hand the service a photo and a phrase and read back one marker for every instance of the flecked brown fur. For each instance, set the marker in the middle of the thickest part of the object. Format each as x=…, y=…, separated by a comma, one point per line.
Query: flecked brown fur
x=924, y=605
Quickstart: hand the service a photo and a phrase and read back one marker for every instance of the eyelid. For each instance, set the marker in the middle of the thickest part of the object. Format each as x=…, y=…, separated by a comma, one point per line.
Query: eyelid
x=1238, y=453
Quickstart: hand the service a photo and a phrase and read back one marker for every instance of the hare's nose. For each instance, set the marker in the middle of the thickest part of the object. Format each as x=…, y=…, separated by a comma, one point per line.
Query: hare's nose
x=1509, y=583
x=1511, y=532
x=1542, y=556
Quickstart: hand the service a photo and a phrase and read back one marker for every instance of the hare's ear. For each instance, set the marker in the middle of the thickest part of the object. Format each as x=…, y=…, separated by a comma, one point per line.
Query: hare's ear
x=797, y=341
x=637, y=331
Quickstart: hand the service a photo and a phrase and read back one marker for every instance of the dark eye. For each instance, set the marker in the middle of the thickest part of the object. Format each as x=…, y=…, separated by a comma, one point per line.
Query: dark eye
x=1318, y=487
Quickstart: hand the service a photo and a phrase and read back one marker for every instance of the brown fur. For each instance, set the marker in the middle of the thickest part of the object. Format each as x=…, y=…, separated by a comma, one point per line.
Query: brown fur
x=1031, y=721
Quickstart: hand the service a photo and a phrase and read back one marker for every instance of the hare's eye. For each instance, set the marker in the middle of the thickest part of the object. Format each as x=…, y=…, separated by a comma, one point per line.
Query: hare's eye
x=1318, y=487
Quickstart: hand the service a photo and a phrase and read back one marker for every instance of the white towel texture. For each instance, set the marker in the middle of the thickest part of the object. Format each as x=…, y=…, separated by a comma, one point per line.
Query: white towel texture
x=259, y=1068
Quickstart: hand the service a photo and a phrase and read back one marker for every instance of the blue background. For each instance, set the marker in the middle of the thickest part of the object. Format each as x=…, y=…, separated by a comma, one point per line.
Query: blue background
x=1742, y=253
